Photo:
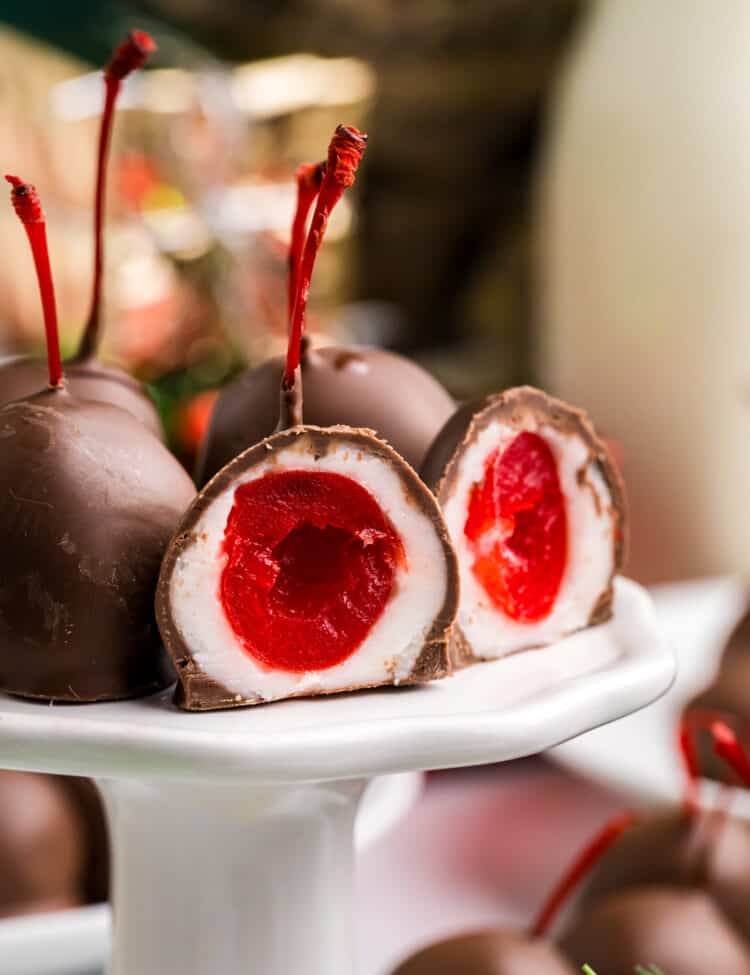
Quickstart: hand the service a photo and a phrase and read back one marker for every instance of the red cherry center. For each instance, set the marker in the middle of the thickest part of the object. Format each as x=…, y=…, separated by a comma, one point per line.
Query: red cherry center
x=517, y=529
x=311, y=560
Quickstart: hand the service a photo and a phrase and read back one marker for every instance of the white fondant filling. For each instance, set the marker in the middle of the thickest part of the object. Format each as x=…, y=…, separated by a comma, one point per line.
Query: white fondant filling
x=390, y=650
x=590, y=544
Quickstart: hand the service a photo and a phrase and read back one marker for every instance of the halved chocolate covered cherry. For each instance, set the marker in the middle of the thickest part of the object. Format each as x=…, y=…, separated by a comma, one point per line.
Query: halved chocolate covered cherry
x=315, y=562
x=535, y=510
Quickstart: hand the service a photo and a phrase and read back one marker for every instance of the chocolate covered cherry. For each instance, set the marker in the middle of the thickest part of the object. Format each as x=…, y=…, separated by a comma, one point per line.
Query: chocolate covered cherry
x=87, y=377
x=88, y=501
x=508, y=952
x=488, y=953
x=679, y=930
x=535, y=510
x=359, y=386
x=314, y=562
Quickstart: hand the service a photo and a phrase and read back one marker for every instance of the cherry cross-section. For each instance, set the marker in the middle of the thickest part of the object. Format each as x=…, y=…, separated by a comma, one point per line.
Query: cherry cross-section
x=311, y=561
x=516, y=528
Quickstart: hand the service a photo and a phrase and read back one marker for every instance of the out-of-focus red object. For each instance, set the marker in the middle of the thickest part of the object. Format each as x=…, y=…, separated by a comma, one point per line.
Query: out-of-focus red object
x=136, y=178
x=191, y=422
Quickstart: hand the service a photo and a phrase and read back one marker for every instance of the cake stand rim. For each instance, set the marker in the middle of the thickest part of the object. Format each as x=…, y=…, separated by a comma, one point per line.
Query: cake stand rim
x=150, y=738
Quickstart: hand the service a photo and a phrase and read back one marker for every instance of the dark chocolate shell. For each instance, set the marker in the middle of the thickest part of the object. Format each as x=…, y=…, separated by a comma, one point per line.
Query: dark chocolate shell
x=43, y=846
x=360, y=387
x=89, y=501
x=87, y=380
x=487, y=953
x=709, y=851
x=213, y=668
x=679, y=930
x=729, y=694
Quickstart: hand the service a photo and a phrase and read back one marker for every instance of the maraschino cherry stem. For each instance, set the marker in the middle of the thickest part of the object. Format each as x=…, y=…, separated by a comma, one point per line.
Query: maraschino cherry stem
x=28, y=208
x=128, y=57
x=689, y=755
x=309, y=177
x=344, y=154
x=727, y=746
x=584, y=862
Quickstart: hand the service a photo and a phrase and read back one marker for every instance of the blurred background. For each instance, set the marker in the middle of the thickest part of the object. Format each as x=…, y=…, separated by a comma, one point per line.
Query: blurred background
x=435, y=261
x=554, y=191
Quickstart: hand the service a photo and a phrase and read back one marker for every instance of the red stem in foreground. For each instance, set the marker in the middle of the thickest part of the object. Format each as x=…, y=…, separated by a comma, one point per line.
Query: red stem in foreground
x=128, y=57
x=689, y=754
x=28, y=208
x=309, y=178
x=727, y=747
x=584, y=862
x=344, y=154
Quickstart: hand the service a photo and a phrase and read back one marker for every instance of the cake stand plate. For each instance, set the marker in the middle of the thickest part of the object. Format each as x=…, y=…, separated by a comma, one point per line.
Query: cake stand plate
x=232, y=831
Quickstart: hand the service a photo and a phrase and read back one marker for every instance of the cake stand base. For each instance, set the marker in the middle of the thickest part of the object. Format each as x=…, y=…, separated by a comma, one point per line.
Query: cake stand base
x=233, y=832
x=232, y=879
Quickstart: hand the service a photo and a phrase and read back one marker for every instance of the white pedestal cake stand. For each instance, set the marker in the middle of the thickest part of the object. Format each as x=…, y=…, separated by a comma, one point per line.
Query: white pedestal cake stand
x=232, y=831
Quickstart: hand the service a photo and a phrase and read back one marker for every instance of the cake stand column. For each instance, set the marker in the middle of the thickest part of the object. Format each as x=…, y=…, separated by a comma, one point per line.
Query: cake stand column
x=231, y=879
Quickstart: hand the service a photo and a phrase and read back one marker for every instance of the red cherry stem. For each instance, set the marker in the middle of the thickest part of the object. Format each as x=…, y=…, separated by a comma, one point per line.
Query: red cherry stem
x=344, y=154
x=724, y=740
x=28, y=208
x=128, y=57
x=309, y=178
x=582, y=865
x=725, y=745
x=689, y=755
x=728, y=747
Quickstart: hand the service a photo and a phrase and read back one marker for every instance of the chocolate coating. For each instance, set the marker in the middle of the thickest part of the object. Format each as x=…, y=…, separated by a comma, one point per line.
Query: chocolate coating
x=197, y=690
x=729, y=693
x=88, y=501
x=441, y=467
x=22, y=376
x=704, y=851
x=681, y=931
x=43, y=848
x=360, y=387
x=487, y=953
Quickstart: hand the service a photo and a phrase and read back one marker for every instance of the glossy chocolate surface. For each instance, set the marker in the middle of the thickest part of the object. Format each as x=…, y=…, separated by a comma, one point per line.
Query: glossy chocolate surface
x=88, y=502
x=487, y=953
x=91, y=380
x=359, y=387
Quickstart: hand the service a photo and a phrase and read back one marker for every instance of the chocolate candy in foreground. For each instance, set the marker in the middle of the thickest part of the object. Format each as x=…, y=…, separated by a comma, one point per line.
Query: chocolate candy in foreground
x=53, y=844
x=488, y=953
x=536, y=512
x=702, y=850
x=682, y=931
x=315, y=562
x=728, y=694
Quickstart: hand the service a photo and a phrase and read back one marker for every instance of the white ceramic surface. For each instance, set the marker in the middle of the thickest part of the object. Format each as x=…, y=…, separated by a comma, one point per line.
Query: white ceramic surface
x=78, y=942
x=636, y=756
x=488, y=713
x=232, y=854
x=64, y=943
